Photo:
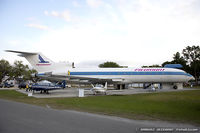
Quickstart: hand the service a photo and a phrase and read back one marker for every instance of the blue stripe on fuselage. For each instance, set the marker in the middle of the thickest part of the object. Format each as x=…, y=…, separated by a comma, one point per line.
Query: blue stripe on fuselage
x=129, y=73
x=40, y=74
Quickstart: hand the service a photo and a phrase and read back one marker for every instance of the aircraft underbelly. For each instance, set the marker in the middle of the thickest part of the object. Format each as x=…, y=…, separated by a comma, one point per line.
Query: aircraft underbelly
x=141, y=78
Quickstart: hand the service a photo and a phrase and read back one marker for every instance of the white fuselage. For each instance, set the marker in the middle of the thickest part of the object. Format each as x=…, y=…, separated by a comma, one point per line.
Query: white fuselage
x=133, y=75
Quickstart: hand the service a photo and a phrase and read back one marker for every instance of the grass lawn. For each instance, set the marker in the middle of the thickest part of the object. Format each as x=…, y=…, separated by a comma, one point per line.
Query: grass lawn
x=181, y=106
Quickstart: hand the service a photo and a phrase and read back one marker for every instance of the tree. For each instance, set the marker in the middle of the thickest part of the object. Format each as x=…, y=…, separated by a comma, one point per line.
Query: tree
x=28, y=75
x=177, y=59
x=16, y=71
x=156, y=65
x=19, y=69
x=109, y=64
x=192, y=55
x=5, y=69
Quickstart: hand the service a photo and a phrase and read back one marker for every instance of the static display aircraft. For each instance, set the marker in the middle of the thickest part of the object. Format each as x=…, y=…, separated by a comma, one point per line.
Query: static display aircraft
x=46, y=86
x=48, y=69
x=99, y=89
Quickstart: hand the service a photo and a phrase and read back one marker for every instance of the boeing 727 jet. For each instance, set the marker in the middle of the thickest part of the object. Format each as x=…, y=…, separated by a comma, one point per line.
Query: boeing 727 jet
x=47, y=69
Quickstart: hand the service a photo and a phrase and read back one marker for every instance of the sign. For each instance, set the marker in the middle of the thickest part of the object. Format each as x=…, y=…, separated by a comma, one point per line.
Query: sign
x=81, y=92
x=30, y=94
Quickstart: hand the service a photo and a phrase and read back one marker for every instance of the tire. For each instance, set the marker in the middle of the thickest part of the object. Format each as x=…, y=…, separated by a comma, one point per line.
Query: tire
x=175, y=87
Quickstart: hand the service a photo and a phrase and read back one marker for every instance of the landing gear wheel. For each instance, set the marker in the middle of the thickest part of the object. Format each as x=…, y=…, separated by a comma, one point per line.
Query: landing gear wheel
x=175, y=87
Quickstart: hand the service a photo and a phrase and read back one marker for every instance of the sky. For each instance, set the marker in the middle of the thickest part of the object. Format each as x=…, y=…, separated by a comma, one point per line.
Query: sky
x=89, y=32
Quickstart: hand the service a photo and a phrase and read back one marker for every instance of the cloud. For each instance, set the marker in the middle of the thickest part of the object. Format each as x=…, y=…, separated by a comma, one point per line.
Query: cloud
x=38, y=26
x=76, y=4
x=31, y=19
x=94, y=3
x=14, y=42
x=46, y=13
x=135, y=33
x=64, y=15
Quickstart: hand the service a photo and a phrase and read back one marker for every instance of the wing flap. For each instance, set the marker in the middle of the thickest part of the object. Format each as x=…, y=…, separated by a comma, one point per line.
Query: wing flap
x=117, y=80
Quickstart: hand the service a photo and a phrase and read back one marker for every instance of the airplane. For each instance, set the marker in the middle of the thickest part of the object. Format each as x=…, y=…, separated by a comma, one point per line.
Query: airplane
x=99, y=89
x=46, y=86
x=47, y=69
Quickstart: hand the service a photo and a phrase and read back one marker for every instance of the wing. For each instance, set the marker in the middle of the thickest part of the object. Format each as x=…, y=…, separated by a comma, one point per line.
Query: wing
x=88, y=80
x=77, y=79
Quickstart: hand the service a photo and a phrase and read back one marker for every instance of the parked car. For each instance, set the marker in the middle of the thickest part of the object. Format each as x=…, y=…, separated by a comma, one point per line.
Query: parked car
x=22, y=85
x=8, y=85
x=1, y=85
x=11, y=84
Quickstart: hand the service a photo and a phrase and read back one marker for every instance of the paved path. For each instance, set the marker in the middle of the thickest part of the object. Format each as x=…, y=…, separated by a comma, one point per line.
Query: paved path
x=24, y=118
x=73, y=92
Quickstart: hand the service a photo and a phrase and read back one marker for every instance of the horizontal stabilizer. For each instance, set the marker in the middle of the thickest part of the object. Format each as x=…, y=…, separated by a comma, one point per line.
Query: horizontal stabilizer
x=37, y=60
x=21, y=53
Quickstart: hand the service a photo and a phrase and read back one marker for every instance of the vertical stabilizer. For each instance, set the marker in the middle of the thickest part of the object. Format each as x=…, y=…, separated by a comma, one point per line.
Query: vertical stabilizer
x=37, y=60
x=105, y=87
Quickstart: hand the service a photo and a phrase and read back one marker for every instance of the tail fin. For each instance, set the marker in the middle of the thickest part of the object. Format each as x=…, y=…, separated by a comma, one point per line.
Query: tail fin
x=63, y=84
x=92, y=85
x=105, y=87
x=37, y=60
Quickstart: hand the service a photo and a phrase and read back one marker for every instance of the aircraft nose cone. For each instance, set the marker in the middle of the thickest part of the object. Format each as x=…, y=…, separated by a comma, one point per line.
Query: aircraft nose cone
x=192, y=78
